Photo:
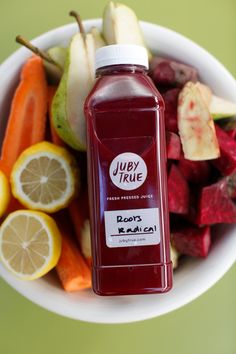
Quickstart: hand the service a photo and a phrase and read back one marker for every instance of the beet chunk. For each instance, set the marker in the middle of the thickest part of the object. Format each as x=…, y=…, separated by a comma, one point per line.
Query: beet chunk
x=226, y=163
x=215, y=205
x=192, y=241
x=194, y=171
x=178, y=191
x=171, y=101
x=166, y=72
x=173, y=146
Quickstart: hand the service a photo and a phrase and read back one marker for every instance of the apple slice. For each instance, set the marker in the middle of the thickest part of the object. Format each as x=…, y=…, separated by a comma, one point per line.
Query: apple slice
x=121, y=26
x=196, y=126
x=218, y=107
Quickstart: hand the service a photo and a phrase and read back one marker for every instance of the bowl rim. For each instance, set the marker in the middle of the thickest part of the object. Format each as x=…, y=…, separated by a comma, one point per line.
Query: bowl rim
x=141, y=315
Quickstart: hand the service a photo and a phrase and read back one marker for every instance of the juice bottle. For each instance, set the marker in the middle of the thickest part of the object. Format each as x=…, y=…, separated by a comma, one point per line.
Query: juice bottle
x=127, y=176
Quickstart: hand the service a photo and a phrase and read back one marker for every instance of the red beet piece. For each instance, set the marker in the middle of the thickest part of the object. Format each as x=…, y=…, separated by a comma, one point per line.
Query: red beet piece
x=226, y=163
x=194, y=171
x=231, y=185
x=215, y=205
x=166, y=72
x=178, y=191
x=173, y=146
x=171, y=101
x=192, y=241
x=232, y=133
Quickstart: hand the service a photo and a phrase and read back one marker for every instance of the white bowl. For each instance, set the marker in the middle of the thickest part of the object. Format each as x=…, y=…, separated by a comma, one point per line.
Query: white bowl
x=195, y=276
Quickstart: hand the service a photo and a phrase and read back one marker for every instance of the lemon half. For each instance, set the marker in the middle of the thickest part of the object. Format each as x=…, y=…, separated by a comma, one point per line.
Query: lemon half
x=30, y=244
x=5, y=193
x=45, y=177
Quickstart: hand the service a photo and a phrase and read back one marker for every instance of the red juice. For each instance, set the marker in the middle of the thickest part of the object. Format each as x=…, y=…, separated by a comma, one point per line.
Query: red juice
x=127, y=180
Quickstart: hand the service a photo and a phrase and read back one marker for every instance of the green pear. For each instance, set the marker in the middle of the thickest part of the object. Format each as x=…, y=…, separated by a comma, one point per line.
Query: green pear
x=98, y=38
x=121, y=26
x=58, y=55
x=53, y=59
x=75, y=85
x=218, y=107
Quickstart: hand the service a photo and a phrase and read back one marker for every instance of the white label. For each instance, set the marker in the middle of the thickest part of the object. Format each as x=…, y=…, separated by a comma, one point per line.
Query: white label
x=128, y=171
x=135, y=227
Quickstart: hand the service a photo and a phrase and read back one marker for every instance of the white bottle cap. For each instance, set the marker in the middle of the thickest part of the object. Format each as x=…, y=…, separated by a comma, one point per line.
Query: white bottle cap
x=116, y=54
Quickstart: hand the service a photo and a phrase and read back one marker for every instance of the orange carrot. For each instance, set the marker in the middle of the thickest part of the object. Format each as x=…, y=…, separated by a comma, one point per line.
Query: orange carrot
x=27, y=120
x=71, y=268
x=54, y=136
x=79, y=212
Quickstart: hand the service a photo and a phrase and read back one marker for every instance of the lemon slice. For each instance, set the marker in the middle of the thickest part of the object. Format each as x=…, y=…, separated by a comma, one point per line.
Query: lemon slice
x=5, y=193
x=45, y=177
x=30, y=243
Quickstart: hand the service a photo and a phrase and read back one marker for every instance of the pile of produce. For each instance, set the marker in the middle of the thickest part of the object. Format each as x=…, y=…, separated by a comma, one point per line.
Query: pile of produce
x=43, y=190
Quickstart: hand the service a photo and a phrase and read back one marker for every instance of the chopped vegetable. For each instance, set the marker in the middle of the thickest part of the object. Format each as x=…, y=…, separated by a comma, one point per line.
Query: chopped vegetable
x=27, y=120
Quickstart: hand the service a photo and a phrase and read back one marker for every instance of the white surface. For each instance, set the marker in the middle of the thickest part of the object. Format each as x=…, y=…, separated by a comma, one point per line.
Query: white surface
x=195, y=276
x=121, y=54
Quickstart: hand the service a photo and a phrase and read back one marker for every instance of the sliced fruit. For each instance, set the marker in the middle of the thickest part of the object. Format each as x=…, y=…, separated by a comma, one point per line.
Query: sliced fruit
x=121, y=26
x=5, y=194
x=98, y=38
x=76, y=83
x=218, y=107
x=30, y=244
x=58, y=55
x=45, y=177
x=196, y=126
x=166, y=72
x=85, y=242
x=174, y=255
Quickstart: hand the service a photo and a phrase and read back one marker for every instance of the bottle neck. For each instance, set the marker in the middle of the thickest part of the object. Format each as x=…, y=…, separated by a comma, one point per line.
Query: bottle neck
x=121, y=68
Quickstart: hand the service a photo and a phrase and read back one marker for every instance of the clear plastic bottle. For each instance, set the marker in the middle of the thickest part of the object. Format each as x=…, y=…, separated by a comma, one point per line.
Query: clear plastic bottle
x=127, y=176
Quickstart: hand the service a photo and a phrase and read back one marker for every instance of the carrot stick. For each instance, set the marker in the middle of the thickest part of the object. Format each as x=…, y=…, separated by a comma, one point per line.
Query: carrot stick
x=71, y=268
x=27, y=120
x=54, y=136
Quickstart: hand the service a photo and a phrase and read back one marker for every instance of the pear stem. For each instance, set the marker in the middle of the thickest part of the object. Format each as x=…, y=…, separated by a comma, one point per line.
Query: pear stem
x=37, y=51
x=78, y=20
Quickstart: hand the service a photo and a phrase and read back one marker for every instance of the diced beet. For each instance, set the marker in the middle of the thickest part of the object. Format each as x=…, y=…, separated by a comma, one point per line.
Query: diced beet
x=192, y=241
x=226, y=163
x=232, y=133
x=231, y=185
x=215, y=205
x=173, y=146
x=178, y=191
x=171, y=101
x=194, y=171
x=166, y=72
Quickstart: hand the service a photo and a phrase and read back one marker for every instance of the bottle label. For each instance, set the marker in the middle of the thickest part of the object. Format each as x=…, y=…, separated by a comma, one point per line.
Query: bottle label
x=128, y=171
x=134, y=227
